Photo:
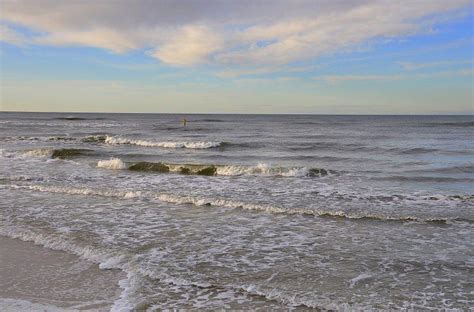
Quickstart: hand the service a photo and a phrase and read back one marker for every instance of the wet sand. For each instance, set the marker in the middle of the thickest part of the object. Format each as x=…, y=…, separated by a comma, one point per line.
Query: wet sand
x=41, y=279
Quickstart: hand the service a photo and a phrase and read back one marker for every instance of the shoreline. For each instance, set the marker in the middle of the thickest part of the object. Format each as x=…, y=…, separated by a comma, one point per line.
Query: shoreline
x=34, y=277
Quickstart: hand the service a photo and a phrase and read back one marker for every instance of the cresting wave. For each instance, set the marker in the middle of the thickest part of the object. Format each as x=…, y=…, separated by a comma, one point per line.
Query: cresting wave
x=61, y=153
x=113, y=164
x=40, y=139
x=164, y=144
x=220, y=170
x=225, y=203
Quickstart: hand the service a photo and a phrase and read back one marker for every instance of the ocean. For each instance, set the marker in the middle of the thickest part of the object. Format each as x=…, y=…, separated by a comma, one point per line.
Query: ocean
x=251, y=211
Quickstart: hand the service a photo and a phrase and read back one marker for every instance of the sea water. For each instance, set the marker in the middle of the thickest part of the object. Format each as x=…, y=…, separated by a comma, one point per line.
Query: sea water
x=251, y=211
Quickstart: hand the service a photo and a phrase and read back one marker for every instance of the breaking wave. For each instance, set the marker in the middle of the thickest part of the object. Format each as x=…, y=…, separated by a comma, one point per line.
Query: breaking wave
x=232, y=204
x=113, y=163
x=40, y=152
x=40, y=139
x=34, y=153
x=61, y=153
x=164, y=144
x=219, y=170
x=94, y=139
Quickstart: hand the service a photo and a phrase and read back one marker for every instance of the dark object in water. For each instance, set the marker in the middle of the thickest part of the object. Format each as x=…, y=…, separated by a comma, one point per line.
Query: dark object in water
x=208, y=171
x=68, y=152
x=61, y=139
x=318, y=172
x=94, y=139
x=185, y=170
x=149, y=166
x=70, y=118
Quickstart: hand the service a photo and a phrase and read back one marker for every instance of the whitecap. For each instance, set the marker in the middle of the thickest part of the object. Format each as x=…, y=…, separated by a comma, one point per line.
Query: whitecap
x=113, y=163
x=163, y=144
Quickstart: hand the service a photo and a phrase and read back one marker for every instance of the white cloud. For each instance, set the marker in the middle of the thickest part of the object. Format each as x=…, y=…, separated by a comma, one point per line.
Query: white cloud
x=191, y=45
x=100, y=37
x=238, y=33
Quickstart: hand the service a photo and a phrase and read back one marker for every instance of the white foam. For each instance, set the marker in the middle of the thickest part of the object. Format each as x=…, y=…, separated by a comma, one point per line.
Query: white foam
x=359, y=278
x=77, y=191
x=218, y=202
x=113, y=164
x=164, y=144
x=283, y=297
x=24, y=154
x=106, y=260
x=262, y=169
x=14, y=305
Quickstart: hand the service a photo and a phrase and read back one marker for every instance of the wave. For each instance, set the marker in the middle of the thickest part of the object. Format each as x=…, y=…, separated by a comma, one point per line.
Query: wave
x=164, y=144
x=62, y=153
x=69, y=152
x=219, y=170
x=283, y=297
x=446, y=170
x=113, y=163
x=451, y=124
x=40, y=152
x=264, y=169
x=428, y=179
x=232, y=204
x=39, y=139
x=74, y=118
x=34, y=153
x=415, y=150
x=61, y=139
x=335, y=146
x=94, y=138
x=107, y=139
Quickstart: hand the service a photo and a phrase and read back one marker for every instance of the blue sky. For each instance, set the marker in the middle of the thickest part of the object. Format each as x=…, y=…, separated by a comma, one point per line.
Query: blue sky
x=340, y=57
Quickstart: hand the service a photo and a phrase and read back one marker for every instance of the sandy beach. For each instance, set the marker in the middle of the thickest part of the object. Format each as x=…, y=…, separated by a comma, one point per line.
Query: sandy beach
x=33, y=278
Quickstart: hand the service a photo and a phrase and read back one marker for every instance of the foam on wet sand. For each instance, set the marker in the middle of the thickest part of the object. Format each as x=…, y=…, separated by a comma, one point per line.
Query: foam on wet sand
x=37, y=278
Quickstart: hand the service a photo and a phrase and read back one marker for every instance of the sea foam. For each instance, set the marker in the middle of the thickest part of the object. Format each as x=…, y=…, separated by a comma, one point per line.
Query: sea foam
x=233, y=204
x=163, y=144
x=113, y=163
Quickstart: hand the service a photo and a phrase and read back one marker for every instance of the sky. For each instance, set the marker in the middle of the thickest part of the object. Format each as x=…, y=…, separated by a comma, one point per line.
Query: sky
x=216, y=56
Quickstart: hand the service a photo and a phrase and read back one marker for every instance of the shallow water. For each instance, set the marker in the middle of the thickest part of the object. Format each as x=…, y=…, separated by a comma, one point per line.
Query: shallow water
x=236, y=211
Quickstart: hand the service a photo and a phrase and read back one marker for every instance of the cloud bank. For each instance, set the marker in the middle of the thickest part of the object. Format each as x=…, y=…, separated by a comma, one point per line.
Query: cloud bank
x=224, y=33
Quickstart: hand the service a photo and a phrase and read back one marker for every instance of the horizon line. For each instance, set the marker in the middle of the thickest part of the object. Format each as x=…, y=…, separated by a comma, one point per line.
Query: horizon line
x=263, y=114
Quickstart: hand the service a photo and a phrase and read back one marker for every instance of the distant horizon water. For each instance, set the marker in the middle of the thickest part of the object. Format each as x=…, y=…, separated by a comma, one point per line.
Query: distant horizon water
x=243, y=114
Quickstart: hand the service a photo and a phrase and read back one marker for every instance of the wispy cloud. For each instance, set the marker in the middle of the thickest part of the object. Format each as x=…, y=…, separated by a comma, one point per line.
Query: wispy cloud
x=8, y=34
x=417, y=66
x=334, y=79
x=258, y=34
x=249, y=71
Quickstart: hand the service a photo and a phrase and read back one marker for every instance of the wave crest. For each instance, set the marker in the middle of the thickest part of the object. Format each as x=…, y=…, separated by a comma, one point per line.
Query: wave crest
x=113, y=164
x=163, y=144
x=217, y=170
x=232, y=204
